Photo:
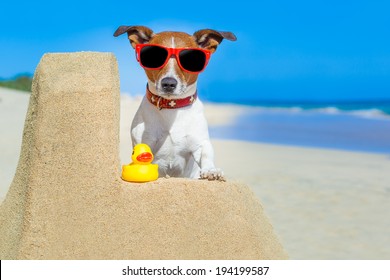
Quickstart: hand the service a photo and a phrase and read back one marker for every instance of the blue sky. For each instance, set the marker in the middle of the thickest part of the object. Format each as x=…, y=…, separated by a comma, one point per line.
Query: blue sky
x=293, y=50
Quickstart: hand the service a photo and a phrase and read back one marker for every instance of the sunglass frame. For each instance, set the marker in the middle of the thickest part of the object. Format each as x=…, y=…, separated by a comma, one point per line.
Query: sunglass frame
x=171, y=52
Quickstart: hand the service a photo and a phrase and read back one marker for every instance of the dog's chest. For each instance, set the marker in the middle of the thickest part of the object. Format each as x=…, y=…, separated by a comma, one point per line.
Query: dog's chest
x=178, y=138
x=175, y=149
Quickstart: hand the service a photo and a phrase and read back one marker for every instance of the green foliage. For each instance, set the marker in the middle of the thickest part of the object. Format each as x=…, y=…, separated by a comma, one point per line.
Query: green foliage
x=22, y=82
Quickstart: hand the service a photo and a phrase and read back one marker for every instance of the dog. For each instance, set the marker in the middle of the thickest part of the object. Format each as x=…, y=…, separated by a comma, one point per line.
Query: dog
x=170, y=118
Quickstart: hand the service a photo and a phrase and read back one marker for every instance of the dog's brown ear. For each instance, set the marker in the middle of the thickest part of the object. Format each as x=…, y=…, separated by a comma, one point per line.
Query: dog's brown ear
x=136, y=34
x=210, y=39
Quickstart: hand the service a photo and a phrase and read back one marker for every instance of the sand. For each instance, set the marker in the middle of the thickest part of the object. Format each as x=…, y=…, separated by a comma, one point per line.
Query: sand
x=13, y=108
x=323, y=204
x=67, y=200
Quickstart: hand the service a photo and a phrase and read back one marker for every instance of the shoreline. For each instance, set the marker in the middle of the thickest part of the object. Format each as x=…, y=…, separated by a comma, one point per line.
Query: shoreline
x=309, y=129
x=322, y=203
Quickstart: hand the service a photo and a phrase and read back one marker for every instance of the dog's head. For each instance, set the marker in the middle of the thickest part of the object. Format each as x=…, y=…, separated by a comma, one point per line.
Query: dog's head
x=172, y=79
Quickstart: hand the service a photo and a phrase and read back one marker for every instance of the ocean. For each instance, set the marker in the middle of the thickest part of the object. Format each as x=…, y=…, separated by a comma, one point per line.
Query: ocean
x=355, y=126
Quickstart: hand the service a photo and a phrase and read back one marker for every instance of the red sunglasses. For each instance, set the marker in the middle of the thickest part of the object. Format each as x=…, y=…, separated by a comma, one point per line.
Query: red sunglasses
x=155, y=57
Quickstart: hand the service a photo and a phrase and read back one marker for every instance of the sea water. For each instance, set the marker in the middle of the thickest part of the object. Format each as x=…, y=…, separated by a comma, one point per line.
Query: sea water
x=356, y=126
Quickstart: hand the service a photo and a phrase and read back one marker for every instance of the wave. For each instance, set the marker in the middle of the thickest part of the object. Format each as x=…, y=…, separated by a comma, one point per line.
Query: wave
x=368, y=113
x=371, y=113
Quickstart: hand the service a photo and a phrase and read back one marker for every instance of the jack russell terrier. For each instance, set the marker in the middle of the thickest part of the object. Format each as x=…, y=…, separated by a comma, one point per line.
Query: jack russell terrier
x=170, y=118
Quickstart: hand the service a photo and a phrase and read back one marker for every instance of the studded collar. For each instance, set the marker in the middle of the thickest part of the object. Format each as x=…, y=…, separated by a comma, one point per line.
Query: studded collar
x=164, y=103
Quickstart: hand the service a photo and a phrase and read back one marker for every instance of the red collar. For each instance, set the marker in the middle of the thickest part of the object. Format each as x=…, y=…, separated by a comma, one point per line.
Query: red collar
x=163, y=103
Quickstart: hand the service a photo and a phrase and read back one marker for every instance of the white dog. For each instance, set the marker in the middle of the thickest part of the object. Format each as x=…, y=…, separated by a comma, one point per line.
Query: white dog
x=170, y=118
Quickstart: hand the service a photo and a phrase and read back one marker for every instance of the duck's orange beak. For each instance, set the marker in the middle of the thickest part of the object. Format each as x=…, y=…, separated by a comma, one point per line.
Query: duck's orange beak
x=145, y=157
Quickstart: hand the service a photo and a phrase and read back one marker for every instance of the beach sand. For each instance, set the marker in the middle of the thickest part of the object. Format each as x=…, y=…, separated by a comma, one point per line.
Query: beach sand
x=323, y=204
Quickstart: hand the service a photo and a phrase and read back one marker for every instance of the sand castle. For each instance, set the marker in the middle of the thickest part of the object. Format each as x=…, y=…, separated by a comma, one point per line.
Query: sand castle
x=67, y=200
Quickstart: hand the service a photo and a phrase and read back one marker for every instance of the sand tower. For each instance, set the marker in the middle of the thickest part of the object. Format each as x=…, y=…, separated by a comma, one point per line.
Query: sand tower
x=67, y=200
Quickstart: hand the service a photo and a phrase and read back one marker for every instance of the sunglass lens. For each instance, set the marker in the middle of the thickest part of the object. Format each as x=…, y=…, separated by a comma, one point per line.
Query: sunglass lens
x=192, y=60
x=153, y=56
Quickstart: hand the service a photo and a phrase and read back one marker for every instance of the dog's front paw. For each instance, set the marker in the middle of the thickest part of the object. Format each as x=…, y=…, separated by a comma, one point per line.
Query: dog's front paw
x=212, y=174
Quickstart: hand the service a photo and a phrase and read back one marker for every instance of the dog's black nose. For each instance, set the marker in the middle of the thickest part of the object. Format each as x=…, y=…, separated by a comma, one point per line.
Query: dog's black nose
x=169, y=84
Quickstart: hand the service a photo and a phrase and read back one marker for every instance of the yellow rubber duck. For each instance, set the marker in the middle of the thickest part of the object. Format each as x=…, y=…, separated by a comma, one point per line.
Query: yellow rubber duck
x=141, y=169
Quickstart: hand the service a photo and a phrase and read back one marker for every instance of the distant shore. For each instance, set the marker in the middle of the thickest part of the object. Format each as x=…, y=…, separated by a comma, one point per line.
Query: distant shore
x=323, y=203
